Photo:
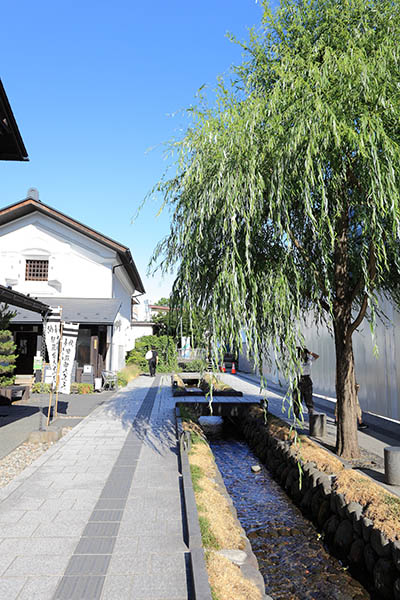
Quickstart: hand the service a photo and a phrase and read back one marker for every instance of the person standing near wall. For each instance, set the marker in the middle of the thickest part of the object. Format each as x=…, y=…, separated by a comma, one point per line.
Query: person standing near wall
x=304, y=387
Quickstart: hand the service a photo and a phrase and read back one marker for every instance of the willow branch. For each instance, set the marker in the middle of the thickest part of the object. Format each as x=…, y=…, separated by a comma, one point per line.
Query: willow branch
x=360, y=316
x=364, y=305
x=357, y=288
x=296, y=242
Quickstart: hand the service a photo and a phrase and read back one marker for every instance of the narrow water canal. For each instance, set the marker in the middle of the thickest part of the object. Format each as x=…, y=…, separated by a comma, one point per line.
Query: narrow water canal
x=291, y=558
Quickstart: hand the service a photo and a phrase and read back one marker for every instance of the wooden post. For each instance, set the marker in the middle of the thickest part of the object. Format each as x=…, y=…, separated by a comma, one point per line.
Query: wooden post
x=58, y=365
x=49, y=409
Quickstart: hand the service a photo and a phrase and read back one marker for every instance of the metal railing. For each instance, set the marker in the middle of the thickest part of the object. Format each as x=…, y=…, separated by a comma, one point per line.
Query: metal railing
x=191, y=353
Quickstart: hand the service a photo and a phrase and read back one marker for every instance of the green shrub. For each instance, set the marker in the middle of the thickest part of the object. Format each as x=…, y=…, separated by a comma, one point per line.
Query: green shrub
x=166, y=349
x=130, y=372
x=195, y=366
x=41, y=388
x=85, y=388
x=7, y=358
x=136, y=357
x=122, y=380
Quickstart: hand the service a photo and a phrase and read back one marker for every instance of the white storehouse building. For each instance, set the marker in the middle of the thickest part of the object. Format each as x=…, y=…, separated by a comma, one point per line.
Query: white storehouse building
x=60, y=261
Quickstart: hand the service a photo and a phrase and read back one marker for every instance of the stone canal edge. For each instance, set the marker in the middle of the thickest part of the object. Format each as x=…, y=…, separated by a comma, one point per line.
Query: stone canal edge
x=248, y=566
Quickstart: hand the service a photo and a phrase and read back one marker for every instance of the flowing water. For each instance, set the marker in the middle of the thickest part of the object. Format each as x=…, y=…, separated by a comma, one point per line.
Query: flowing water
x=291, y=557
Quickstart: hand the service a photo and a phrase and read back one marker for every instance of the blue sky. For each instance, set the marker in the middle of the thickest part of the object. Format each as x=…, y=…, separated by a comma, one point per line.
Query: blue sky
x=93, y=85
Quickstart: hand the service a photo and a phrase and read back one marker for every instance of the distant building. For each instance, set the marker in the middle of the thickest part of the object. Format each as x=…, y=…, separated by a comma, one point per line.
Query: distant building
x=51, y=256
x=143, y=316
x=156, y=310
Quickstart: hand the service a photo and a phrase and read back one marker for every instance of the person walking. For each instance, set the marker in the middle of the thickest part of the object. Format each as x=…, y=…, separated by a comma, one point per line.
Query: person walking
x=153, y=361
x=304, y=386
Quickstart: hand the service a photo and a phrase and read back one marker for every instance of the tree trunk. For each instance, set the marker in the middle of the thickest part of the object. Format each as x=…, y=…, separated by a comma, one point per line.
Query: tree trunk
x=346, y=395
x=347, y=438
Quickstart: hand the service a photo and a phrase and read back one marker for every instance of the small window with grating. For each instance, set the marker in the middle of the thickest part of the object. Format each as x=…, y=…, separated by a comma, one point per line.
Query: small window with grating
x=37, y=270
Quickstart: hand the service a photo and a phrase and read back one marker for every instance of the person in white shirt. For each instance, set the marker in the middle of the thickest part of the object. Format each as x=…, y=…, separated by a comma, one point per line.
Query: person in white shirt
x=304, y=388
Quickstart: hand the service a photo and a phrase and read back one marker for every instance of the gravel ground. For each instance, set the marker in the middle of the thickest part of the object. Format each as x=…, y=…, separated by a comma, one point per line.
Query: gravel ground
x=22, y=457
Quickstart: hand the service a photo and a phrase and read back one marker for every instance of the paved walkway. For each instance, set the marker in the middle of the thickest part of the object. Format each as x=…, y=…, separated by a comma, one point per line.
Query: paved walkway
x=19, y=419
x=99, y=514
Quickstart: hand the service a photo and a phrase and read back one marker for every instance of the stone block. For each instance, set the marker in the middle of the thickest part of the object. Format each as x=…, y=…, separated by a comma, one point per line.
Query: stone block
x=385, y=577
x=309, y=466
x=367, y=526
x=325, y=483
x=117, y=587
x=238, y=557
x=279, y=470
x=295, y=491
x=305, y=503
x=370, y=558
x=284, y=474
x=356, y=554
x=324, y=513
x=380, y=543
x=331, y=526
x=80, y=587
x=292, y=476
x=396, y=554
x=354, y=512
x=315, y=503
x=396, y=589
x=315, y=475
x=344, y=535
x=87, y=564
x=333, y=502
x=354, y=508
x=341, y=505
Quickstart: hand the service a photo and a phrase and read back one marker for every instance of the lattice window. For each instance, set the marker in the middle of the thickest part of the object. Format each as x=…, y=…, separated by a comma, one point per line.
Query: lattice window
x=37, y=270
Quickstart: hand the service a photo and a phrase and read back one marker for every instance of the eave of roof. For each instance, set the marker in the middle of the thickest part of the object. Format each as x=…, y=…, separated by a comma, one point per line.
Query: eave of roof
x=157, y=307
x=30, y=205
x=11, y=145
x=94, y=311
x=22, y=301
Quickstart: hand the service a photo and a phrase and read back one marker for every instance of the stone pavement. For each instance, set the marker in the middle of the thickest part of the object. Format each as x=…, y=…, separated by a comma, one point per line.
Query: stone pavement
x=19, y=419
x=98, y=516
x=372, y=441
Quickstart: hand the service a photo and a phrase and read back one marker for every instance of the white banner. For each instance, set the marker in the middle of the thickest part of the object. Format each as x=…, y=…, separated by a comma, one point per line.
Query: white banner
x=68, y=345
x=52, y=336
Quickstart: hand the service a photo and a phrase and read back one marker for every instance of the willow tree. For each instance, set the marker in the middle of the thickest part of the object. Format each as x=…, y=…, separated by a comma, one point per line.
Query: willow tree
x=285, y=195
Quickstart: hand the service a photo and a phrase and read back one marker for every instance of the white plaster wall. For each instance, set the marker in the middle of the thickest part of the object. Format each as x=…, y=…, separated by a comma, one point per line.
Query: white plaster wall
x=122, y=289
x=78, y=266
x=138, y=331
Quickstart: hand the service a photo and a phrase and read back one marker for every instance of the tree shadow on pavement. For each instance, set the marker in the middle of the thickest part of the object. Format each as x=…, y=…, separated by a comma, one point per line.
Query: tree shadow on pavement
x=11, y=413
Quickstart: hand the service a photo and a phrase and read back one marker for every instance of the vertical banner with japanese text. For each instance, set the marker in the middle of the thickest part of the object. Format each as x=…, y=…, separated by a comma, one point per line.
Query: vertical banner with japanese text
x=52, y=336
x=69, y=337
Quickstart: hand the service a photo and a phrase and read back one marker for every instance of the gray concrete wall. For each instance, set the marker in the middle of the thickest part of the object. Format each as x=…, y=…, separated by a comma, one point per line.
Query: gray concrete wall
x=379, y=377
